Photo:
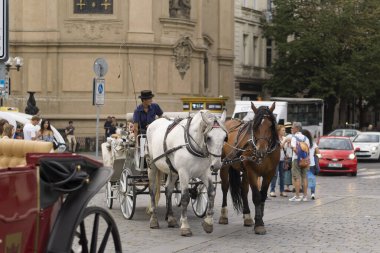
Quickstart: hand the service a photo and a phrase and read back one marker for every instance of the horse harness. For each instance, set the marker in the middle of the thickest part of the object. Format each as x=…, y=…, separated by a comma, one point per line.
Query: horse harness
x=188, y=144
x=250, y=145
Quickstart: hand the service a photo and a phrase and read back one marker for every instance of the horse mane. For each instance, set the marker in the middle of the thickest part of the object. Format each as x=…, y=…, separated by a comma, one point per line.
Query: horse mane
x=259, y=116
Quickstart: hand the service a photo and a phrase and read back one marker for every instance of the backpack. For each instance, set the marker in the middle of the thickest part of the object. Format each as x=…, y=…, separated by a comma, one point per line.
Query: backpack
x=302, y=151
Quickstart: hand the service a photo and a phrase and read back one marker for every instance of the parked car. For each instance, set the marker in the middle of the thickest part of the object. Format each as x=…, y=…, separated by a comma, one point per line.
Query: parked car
x=367, y=145
x=351, y=133
x=16, y=118
x=337, y=155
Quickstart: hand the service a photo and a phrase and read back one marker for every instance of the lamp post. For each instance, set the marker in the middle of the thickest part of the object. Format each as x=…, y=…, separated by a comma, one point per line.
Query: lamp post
x=5, y=82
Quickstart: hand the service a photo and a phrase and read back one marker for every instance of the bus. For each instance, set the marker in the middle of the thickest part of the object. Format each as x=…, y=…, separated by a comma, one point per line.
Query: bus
x=308, y=111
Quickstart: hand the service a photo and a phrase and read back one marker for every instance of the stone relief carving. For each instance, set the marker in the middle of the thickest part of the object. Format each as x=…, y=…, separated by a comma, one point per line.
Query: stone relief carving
x=92, y=30
x=182, y=53
x=179, y=8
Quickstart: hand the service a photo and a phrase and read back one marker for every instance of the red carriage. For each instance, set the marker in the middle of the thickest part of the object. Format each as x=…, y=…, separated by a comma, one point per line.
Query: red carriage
x=43, y=204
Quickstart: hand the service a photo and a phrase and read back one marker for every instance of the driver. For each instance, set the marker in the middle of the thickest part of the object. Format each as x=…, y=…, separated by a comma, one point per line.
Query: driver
x=145, y=113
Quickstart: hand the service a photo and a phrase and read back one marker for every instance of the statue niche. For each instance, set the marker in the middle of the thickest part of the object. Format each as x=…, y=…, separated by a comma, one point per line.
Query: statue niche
x=179, y=8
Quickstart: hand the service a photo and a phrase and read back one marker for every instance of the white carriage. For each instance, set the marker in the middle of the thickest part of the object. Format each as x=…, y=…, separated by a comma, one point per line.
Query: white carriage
x=130, y=177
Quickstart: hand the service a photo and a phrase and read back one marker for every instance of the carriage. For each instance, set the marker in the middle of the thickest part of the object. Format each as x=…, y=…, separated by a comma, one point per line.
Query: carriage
x=130, y=177
x=44, y=199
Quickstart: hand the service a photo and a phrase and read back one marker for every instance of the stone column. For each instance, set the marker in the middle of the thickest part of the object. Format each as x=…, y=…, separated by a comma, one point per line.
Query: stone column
x=140, y=21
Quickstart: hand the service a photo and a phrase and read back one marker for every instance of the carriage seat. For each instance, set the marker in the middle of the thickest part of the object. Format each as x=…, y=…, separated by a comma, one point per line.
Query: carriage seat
x=13, y=152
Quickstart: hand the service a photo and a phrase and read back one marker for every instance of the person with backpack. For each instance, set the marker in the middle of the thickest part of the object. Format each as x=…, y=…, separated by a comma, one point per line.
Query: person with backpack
x=300, y=161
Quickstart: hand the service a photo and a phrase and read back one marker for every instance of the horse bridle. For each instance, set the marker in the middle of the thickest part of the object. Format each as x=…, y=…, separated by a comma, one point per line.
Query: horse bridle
x=191, y=147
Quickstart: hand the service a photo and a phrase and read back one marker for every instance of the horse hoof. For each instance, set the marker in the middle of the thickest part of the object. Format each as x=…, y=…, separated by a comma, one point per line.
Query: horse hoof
x=208, y=228
x=186, y=232
x=260, y=230
x=172, y=223
x=248, y=223
x=154, y=224
x=223, y=220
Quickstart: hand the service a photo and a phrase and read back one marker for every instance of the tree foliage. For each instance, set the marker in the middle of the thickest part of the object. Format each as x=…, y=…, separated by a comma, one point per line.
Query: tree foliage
x=326, y=48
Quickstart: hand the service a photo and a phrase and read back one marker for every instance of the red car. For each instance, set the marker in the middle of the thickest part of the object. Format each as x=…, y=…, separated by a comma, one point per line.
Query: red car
x=337, y=155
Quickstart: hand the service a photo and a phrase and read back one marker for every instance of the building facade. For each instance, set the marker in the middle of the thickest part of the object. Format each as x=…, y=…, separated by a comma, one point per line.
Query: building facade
x=253, y=53
x=176, y=48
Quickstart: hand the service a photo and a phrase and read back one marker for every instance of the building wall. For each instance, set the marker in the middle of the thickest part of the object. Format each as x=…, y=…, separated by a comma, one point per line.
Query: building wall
x=138, y=41
x=250, y=49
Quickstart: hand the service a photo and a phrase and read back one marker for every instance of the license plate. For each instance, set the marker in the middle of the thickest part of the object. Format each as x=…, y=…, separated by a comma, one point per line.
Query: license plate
x=335, y=165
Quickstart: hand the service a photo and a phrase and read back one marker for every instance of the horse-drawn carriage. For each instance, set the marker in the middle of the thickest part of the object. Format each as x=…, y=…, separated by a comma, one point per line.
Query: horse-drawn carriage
x=130, y=177
x=44, y=197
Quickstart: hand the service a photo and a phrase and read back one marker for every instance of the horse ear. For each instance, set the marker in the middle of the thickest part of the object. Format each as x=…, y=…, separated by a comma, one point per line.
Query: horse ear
x=205, y=118
x=223, y=116
x=254, y=109
x=272, y=107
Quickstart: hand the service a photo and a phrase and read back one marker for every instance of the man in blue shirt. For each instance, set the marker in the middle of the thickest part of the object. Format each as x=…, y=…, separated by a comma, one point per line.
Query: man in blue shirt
x=145, y=113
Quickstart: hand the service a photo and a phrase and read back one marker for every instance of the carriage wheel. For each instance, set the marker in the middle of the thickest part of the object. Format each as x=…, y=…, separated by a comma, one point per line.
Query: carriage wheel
x=109, y=195
x=127, y=194
x=177, y=194
x=199, y=198
x=96, y=232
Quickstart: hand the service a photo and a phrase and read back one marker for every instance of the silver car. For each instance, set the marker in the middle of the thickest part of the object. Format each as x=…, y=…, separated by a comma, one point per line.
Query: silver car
x=351, y=133
x=367, y=145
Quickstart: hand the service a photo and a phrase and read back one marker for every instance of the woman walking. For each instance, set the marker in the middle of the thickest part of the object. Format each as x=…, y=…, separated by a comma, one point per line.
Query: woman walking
x=313, y=171
x=280, y=167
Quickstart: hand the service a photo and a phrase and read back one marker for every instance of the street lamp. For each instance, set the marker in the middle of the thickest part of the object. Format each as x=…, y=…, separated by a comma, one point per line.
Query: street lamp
x=14, y=61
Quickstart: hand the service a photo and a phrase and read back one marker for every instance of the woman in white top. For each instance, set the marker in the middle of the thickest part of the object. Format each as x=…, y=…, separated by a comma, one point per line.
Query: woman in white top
x=280, y=167
x=312, y=152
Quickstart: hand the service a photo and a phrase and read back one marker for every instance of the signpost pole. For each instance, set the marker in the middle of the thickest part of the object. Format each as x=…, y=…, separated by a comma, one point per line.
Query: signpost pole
x=97, y=130
x=100, y=69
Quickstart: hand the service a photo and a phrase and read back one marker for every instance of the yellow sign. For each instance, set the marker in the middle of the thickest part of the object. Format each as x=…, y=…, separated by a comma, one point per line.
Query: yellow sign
x=8, y=109
x=215, y=105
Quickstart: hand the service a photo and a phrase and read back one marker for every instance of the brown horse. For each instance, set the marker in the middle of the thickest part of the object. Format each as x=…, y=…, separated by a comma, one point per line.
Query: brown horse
x=252, y=151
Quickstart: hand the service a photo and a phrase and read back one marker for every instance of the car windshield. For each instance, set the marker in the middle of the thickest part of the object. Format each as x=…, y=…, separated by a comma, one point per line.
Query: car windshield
x=334, y=143
x=367, y=138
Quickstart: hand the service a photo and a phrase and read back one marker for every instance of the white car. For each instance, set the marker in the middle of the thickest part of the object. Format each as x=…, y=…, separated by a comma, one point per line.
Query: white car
x=15, y=118
x=367, y=145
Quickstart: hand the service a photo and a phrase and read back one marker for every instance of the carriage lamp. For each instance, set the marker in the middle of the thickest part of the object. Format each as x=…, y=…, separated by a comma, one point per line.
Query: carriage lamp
x=14, y=61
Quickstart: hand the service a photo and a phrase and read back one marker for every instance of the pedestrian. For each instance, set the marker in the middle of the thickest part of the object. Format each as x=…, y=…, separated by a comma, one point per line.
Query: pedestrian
x=31, y=128
x=2, y=123
x=107, y=126
x=8, y=131
x=280, y=167
x=288, y=158
x=313, y=151
x=298, y=174
x=45, y=133
x=145, y=113
x=71, y=137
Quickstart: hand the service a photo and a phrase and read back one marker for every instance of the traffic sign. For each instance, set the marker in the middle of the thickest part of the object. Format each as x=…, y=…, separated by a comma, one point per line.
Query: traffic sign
x=100, y=67
x=4, y=30
x=98, y=91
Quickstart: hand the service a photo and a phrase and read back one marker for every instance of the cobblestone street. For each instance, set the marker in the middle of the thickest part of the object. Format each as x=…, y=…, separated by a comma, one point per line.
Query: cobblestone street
x=345, y=217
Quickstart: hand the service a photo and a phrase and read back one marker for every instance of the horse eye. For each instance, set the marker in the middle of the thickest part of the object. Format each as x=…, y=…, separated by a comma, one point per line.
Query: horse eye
x=226, y=139
x=208, y=139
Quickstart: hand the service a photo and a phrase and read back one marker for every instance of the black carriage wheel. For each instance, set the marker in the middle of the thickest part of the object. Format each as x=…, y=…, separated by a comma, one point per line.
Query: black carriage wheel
x=109, y=195
x=127, y=194
x=199, y=197
x=96, y=232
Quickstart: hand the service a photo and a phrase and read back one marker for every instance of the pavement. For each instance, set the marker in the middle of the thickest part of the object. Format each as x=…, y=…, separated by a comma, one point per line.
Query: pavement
x=345, y=217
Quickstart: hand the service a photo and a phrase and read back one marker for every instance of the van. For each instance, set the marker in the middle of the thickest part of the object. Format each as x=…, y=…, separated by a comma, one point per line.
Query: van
x=243, y=110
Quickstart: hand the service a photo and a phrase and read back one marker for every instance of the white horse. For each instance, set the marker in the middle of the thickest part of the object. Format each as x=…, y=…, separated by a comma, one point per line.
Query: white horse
x=190, y=148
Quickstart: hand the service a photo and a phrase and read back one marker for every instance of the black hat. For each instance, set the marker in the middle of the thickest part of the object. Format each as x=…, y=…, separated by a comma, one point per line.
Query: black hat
x=146, y=94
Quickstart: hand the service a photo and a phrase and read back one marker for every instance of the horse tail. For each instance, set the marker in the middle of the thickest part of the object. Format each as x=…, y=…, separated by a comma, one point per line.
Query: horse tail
x=235, y=188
